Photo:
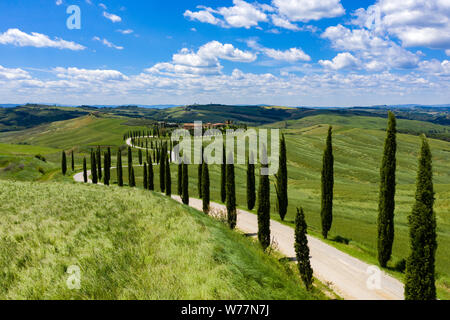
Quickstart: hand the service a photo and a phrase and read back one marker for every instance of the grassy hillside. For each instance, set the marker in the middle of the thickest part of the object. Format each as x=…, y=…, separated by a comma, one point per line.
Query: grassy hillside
x=129, y=244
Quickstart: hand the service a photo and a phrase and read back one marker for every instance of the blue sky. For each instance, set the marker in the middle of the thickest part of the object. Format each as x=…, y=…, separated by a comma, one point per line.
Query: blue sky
x=281, y=52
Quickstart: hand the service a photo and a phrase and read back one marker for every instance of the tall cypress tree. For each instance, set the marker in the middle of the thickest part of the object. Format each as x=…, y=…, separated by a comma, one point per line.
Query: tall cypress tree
x=106, y=166
x=99, y=163
x=386, y=205
x=162, y=170
x=282, y=183
x=132, y=178
x=223, y=176
x=251, y=189
x=119, y=169
x=64, y=163
x=73, y=162
x=185, y=194
x=326, y=213
x=180, y=179
x=231, y=193
x=85, y=175
x=145, y=176
x=130, y=163
x=140, y=156
x=420, y=267
x=151, y=185
x=205, y=187
x=94, y=168
x=168, y=179
x=264, y=210
x=199, y=180
x=302, y=249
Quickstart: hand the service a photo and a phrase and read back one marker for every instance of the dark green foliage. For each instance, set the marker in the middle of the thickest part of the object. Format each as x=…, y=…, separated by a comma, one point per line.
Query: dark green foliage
x=64, y=163
x=326, y=212
x=130, y=164
x=145, y=176
x=231, y=193
x=180, y=179
x=223, y=177
x=264, y=210
x=251, y=188
x=132, y=178
x=119, y=169
x=85, y=175
x=168, y=178
x=199, y=180
x=185, y=178
x=99, y=164
x=162, y=169
x=107, y=168
x=140, y=156
x=302, y=249
x=94, y=167
x=420, y=266
x=282, y=181
x=386, y=205
x=73, y=162
x=151, y=185
x=205, y=188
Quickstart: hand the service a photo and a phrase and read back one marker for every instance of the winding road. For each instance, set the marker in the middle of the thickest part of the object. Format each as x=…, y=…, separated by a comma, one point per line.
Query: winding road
x=350, y=278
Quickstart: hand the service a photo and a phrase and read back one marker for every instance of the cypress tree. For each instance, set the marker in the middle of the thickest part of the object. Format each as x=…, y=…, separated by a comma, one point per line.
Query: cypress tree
x=386, y=205
x=132, y=178
x=130, y=164
x=281, y=178
x=205, y=188
x=162, y=170
x=420, y=266
x=145, y=176
x=264, y=210
x=302, y=249
x=199, y=180
x=85, y=176
x=106, y=166
x=73, y=162
x=180, y=179
x=140, y=157
x=231, y=193
x=119, y=169
x=251, y=189
x=94, y=168
x=168, y=178
x=64, y=163
x=151, y=184
x=185, y=193
x=326, y=213
x=223, y=177
x=99, y=164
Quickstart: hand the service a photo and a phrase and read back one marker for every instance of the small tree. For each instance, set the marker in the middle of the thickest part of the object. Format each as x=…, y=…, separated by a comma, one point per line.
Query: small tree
x=73, y=162
x=151, y=185
x=264, y=210
x=185, y=193
x=145, y=176
x=231, y=193
x=282, y=181
x=251, y=189
x=64, y=163
x=168, y=179
x=223, y=176
x=85, y=175
x=420, y=267
x=119, y=168
x=205, y=187
x=302, y=249
x=326, y=213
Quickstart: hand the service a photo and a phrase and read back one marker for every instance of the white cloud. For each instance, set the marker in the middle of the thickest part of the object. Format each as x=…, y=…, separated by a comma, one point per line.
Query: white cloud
x=307, y=10
x=378, y=53
x=89, y=75
x=13, y=74
x=283, y=23
x=289, y=55
x=58, y=2
x=436, y=67
x=414, y=22
x=110, y=16
x=127, y=31
x=342, y=61
x=202, y=16
x=37, y=40
x=103, y=6
x=107, y=43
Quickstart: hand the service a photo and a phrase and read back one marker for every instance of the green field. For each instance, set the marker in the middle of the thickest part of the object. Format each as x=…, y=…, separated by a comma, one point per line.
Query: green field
x=129, y=244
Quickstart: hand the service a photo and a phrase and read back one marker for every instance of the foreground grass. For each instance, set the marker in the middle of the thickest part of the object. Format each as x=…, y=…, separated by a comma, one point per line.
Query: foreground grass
x=129, y=244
